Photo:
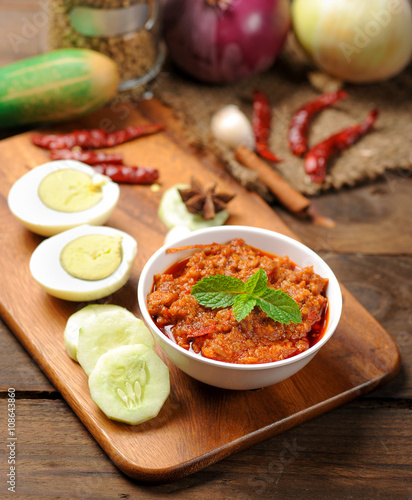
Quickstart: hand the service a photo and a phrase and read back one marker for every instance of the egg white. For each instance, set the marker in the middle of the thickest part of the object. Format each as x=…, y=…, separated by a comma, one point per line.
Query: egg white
x=26, y=205
x=48, y=272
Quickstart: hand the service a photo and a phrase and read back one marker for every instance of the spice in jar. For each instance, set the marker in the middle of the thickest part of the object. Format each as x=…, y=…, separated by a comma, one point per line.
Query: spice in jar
x=125, y=30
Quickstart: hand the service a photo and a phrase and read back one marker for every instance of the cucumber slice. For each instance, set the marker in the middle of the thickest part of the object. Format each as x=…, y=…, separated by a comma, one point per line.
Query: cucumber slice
x=73, y=325
x=176, y=233
x=109, y=326
x=130, y=384
x=173, y=212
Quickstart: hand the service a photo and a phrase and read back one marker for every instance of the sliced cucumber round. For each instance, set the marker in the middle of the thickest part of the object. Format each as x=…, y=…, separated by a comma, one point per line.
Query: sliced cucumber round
x=173, y=212
x=130, y=384
x=73, y=325
x=176, y=233
x=107, y=327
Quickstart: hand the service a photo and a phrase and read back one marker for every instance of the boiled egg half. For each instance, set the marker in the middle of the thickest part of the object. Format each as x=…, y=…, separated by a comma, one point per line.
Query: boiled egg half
x=60, y=195
x=84, y=263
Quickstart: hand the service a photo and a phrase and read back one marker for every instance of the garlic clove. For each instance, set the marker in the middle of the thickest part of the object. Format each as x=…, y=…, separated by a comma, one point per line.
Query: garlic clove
x=230, y=126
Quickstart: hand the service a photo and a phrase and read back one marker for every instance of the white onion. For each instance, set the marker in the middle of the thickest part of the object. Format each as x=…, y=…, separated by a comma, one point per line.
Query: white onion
x=358, y=41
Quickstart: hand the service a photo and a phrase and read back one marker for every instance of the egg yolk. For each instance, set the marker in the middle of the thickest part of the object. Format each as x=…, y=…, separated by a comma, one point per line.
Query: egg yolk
x=69, y=190
x=92, y=257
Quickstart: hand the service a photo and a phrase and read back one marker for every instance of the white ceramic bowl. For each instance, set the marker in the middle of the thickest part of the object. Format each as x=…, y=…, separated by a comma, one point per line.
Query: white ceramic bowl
x=230, y=375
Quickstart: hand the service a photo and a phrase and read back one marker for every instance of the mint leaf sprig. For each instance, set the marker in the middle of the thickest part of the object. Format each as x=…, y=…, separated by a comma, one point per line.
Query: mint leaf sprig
x=221, y=291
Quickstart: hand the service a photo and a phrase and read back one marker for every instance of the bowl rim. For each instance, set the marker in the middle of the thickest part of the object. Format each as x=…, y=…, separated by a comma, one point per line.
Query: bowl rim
x=331, y=327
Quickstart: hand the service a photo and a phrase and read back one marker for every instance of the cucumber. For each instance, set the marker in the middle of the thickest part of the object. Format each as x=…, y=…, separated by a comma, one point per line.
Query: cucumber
x=73, y=325
x=173, y=212
x=107, y=327
x=176, y=233
x=56, y=86
x=130, y=384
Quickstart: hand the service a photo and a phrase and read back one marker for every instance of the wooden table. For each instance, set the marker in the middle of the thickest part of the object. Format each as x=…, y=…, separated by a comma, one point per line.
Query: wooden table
x=361, y=450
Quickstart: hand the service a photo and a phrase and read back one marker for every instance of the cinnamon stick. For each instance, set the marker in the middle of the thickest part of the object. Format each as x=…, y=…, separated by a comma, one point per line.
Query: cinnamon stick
x=291, y=199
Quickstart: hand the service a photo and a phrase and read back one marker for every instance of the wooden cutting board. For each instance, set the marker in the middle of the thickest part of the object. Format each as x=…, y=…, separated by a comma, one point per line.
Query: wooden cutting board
x=199, y=424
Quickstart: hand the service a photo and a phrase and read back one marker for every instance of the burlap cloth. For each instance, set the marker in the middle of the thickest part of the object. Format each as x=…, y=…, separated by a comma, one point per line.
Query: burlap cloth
x=291, y=82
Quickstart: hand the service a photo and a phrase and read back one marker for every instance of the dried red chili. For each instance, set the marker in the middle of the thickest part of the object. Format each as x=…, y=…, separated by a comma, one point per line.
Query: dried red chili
x=317, y=157
x=121, y=136
x=128, y=175
x=88, y=157
x=261, y=123
x=94, y=138
x=299, y=122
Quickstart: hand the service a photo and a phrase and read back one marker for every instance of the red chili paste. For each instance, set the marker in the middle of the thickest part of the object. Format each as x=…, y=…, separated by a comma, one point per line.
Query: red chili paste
x=215, y=333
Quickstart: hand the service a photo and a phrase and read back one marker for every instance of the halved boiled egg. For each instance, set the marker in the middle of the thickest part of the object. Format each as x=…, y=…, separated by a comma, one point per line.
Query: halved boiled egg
x=60, y=195
x=84, y=263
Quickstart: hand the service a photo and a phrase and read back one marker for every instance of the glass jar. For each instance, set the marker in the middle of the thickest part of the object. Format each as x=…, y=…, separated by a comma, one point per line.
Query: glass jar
x=125, y=30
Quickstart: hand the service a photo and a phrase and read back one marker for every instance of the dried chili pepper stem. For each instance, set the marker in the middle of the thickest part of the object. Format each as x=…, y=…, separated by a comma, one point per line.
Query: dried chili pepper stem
x=317, y=157
x=261, y=123
x=94, y=138
x=299, y=123
x=127, y=174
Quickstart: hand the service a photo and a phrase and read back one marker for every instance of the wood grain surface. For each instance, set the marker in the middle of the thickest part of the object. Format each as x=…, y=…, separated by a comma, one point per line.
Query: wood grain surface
x=360, y=356
x=298, y=464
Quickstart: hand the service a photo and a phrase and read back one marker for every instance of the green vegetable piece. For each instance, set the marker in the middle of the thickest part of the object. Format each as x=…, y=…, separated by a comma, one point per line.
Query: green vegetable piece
x=173, y=212
x=217, y=291
x=107, y=327
x=73, y=325
x=130, y=384
x=257, y=284
x=225, y=291
x=243, y=306
x=56, y=86
x=278, y=304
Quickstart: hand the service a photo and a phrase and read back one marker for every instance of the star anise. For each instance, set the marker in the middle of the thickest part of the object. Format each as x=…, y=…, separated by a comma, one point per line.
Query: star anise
x=204, y=201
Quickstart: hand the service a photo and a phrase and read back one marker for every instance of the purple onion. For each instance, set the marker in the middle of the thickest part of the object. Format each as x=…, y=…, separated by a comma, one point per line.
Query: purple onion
x=223, y=41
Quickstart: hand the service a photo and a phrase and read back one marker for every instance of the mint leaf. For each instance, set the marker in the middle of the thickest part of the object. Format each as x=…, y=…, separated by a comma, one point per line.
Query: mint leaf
x=243, y=305
x=215, y=299
x=221, y=291
x=217, y=291
x=257, y=283
x=279, y=306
